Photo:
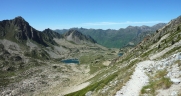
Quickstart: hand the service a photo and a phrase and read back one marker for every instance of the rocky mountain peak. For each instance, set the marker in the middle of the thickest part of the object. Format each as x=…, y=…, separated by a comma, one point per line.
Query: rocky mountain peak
x=52, y=34
x=77, y=37
x=48, y=30
x=19, y=21
x=73, y=31
x=19, y=18
x=130, y=26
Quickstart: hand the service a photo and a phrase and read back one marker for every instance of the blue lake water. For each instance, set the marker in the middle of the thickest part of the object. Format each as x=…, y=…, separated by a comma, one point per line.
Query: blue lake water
x=70, y=61
x=120, y=54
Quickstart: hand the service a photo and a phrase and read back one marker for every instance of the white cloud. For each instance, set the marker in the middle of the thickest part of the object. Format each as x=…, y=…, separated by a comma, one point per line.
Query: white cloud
x=122, y=23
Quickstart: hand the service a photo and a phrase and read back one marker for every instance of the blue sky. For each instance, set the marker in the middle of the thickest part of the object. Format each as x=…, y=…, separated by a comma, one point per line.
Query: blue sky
x=103, y=14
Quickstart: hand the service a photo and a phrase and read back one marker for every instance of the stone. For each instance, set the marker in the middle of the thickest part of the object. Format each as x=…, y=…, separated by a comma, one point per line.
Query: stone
x=89, y=93
x=174, y=93
x=175, y=81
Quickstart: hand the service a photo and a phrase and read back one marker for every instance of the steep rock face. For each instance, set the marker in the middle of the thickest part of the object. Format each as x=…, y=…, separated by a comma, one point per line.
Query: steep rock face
x=77, y=37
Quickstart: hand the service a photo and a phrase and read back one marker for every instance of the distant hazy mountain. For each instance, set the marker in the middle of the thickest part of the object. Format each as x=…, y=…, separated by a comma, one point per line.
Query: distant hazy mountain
x=118, y=38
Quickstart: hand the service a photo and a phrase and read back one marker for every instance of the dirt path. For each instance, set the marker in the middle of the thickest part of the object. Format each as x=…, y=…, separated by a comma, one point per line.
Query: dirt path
x=137, y=81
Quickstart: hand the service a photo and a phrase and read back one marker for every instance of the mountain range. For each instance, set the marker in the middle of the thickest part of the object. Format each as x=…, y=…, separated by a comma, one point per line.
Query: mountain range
x=118, y=38
x=31, y=61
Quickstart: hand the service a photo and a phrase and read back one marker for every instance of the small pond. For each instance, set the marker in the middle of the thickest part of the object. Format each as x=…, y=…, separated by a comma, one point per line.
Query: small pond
x=120, y=54
x=70, y=61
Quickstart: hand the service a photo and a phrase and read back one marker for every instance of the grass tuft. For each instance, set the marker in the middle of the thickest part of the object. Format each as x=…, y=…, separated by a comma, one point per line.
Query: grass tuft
x=157, y=82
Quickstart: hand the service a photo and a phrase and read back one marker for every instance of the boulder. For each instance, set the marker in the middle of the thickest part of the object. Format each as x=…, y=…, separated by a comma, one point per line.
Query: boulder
x=175, y=81
x=89, y=93
x=179, y=56
x=174, y=93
